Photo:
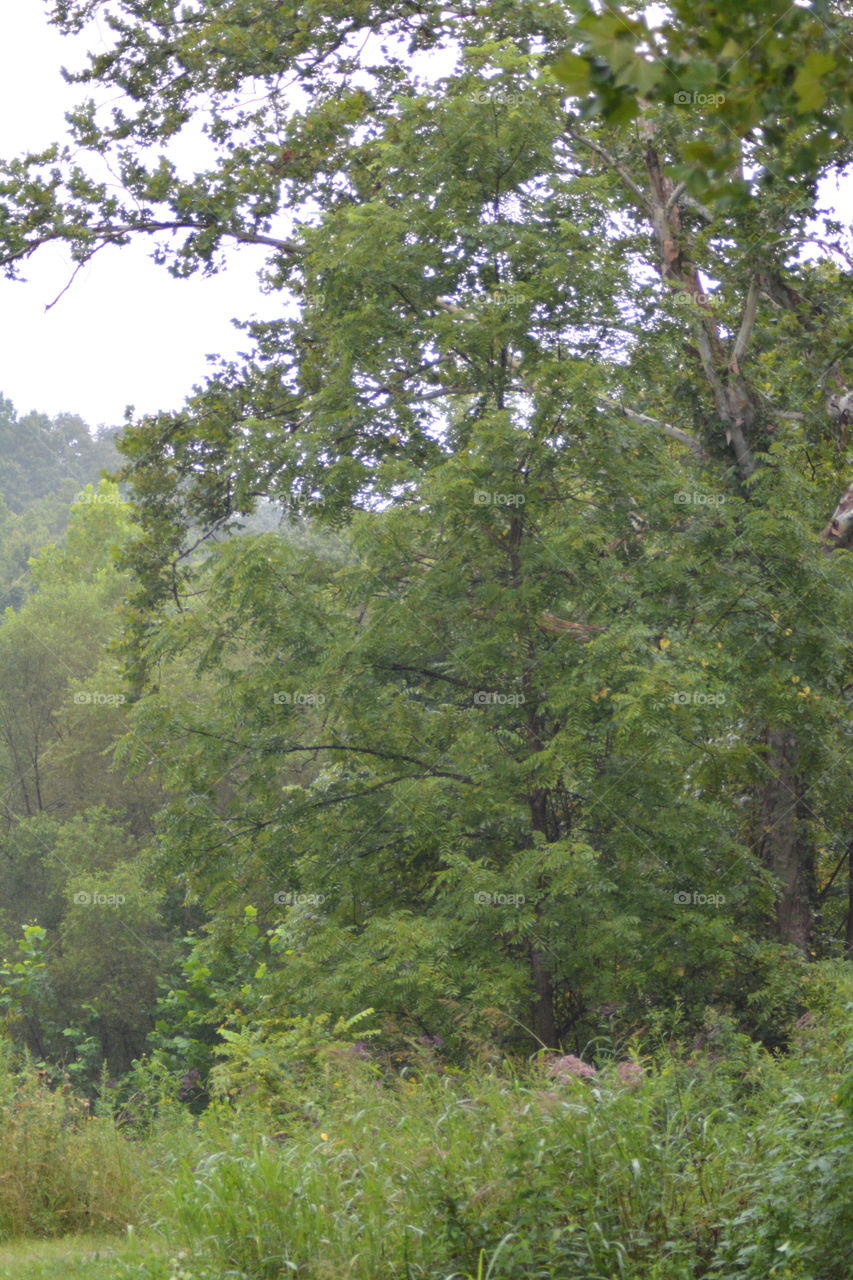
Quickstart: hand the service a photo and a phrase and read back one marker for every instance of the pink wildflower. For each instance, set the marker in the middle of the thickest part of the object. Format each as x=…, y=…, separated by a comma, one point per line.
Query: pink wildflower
x=630, y=1072
x=569, y=1065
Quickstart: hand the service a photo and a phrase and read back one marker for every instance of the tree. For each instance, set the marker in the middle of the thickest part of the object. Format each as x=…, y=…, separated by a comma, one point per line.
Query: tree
x=70, y=874
x=500, y=297
x=47, y=463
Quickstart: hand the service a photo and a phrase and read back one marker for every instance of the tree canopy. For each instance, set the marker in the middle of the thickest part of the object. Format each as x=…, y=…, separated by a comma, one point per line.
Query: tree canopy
x=536, y=706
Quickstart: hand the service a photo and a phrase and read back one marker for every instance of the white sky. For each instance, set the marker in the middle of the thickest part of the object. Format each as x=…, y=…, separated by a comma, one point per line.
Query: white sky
x=126, y=332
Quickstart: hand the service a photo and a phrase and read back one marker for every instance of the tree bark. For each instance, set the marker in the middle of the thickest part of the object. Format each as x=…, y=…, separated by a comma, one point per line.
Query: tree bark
x=848, y=940
x=544, y=1023
x=785, y=844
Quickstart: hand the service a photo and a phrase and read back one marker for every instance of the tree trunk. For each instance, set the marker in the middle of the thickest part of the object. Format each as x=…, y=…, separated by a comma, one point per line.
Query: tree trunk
x=544, y=1024
x=785, y=845
x=544, y=1021
x=848, y=940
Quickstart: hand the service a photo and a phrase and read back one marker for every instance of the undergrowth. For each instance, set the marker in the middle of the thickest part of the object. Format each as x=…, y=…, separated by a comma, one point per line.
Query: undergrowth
x=669, y=1162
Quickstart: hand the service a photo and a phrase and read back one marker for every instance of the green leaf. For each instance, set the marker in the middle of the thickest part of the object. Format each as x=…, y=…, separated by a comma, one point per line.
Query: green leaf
x=808, y=83
x=573, y=72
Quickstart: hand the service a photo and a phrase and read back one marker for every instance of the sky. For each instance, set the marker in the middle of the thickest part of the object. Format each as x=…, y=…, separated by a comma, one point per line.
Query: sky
x=125, y=333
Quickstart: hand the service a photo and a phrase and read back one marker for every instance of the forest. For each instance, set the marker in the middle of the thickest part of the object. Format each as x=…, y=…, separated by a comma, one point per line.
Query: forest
x=426, y=843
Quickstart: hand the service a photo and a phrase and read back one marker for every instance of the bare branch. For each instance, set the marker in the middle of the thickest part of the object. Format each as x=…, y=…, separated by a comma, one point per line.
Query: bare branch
x=674, y=195
x=747, y=324
x=615, y=165
x=674, y=433
x=706, y=355
x=697, y=206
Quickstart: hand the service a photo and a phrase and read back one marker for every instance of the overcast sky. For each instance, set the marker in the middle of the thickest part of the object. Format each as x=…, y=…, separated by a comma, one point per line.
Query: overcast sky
x=126, y=332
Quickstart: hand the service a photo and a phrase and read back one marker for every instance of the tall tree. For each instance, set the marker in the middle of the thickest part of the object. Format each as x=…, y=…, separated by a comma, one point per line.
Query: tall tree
x=502, y=293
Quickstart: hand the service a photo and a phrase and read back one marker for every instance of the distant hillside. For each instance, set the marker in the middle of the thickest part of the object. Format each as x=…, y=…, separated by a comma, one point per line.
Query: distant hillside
x=44, y=463
x=41, y=456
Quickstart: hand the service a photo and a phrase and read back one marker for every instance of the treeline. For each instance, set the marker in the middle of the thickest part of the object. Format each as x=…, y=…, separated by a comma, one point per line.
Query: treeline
x=46, y=463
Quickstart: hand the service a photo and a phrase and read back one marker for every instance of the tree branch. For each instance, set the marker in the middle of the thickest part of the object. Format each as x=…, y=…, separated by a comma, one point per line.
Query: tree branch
x=697, y=206
x=634, y=187
x=424, y=671
x=382, y=755
x=746, y=325
x=674, y=433
x=674, y=195
x=109, y=233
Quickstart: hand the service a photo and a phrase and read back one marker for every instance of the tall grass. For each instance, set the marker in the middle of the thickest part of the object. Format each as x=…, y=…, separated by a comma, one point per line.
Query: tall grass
x=730, y=1163
x=724, y=1162
x=62, y=1169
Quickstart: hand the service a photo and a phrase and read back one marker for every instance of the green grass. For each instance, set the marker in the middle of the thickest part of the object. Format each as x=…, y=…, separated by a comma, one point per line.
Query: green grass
x=720, y=1163
x=78, y=1257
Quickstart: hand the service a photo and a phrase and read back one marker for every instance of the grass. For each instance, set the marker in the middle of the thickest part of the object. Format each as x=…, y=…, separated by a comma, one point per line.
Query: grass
x=725, y=1163
x=76, y=1257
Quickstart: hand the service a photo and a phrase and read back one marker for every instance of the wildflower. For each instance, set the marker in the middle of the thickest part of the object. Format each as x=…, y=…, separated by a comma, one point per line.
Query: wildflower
x=567, y=1066
x=630, y=1073
x=324, y=1137
x=188, y=1083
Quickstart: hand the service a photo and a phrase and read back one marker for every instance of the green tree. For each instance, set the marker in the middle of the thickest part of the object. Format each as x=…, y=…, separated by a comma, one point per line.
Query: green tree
x=61, y=705
x=565, y=381
x=56, y=676
x=103, y=940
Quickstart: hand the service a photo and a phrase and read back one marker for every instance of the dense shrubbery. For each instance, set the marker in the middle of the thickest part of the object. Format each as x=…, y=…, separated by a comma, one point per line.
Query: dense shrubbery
x=672, y=1161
